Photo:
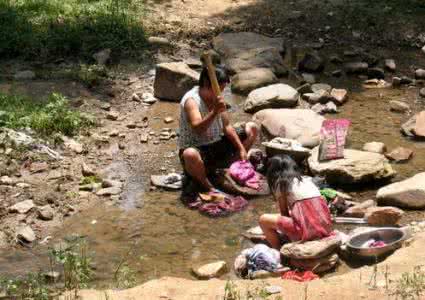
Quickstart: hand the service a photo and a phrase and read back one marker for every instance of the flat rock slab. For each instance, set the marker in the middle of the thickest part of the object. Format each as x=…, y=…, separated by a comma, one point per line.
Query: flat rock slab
x=46, y=213
x=318, y=265
x=419, y=129
x=359, y=209
x=22, y=207
x=383, y=216
x=302, y=125
x=249, y=80
x=273, y=96
x=356, y=167
x=409, y=193
x=212, y=270
x=163, y=181
x=247, y=50
x=400, y=154
x=312, y=249
x=173, y=80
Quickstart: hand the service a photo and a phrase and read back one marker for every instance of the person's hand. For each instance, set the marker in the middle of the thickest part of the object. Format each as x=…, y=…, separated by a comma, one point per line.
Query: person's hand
x=220, y=105
x=243, y=155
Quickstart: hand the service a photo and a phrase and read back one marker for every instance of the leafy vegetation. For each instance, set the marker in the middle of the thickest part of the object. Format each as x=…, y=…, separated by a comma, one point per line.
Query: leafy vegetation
x=46, y=118
x=231, y=292
x=46, y=28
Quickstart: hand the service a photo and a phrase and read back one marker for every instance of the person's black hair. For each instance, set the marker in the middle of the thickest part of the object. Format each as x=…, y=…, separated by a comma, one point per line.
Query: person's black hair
x=281, y=172
x=222, y=77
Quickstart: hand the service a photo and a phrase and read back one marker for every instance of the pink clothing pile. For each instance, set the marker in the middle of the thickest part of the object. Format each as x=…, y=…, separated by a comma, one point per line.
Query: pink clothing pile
x=229, y=205
x=243, y=173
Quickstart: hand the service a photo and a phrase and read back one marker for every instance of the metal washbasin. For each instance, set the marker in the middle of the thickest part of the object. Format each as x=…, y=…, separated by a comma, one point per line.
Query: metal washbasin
x=393, y=237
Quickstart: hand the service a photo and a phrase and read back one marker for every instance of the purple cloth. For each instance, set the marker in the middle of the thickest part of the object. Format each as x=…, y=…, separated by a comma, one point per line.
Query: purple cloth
x=244, y=174
x=229, y=205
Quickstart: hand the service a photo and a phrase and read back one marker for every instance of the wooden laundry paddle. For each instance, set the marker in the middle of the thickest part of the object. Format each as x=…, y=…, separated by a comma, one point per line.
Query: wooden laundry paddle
x=206, y=58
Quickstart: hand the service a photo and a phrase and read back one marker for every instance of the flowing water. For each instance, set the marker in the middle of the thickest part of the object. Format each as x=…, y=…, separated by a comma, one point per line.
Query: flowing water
x=158, y=236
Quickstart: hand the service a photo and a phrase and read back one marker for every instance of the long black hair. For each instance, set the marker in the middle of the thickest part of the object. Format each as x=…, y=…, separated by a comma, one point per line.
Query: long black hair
x=281, y=172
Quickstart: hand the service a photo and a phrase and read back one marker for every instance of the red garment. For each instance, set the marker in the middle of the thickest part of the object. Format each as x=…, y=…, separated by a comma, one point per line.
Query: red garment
x=310, y=220
x=243, y=173
x=300, y=276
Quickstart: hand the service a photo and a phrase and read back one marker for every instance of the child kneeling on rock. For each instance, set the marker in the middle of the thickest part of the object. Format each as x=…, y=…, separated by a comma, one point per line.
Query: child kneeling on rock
x=304, y=214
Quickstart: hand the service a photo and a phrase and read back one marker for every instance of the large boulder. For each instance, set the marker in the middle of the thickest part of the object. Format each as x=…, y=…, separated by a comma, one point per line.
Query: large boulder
x=356, y=167
x=409, y=193
x=311, y=249
x=273, y=96
x=302, y=125
x=173, y=80
x=247, y=50
x=415, y=126
x=359, y=210
x=252, y=79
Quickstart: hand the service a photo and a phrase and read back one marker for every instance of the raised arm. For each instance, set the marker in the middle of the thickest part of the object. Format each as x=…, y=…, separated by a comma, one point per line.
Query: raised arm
x=231, y=134
x=199, y=124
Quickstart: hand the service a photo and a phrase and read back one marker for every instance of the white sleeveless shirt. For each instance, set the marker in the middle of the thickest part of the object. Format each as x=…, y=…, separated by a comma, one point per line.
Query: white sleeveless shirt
x=301, y=190
x=188, y=137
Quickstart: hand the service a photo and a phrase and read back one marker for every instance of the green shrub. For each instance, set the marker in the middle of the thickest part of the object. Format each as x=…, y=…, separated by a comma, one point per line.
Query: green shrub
x=61, y=28
x=46, y=118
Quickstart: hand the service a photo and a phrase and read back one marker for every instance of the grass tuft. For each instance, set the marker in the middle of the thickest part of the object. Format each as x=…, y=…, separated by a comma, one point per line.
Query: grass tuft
x=46, y=118
x=61, y=28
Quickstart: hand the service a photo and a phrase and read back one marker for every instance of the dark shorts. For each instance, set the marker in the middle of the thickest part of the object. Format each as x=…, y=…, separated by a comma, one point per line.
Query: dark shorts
x=218, y=154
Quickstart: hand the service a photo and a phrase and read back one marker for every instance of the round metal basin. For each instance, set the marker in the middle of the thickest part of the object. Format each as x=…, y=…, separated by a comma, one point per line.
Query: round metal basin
x=391, y=236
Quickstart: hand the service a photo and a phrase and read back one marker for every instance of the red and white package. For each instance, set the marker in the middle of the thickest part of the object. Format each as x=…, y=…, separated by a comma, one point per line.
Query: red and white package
x=332, y=139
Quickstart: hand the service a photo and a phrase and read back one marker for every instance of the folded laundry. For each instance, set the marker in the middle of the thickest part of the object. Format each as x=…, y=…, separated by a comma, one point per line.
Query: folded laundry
x=243, y=173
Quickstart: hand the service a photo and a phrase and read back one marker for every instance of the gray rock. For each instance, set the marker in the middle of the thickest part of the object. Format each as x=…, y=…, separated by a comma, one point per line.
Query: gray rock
x=159, y=41
x=356, y=68
x=409, y=193
x=377, y=73
x=109, y=191
x=423, y=49
x=86, y=170
x=22, y=207
x=383, y=216
x=311, y=249
x=422, y=92
x=107, y=183
x=406, y=80
x=376, y=147
x=102, y=57
x=24, y=75
x=171, y=181
x=3, y=240
x=308, y=78
x=112, y=115
x=335, y=59
x=356, y=167
x=46, y=213
x=305, y=88
x=73, y=145
x=247, y=50
x=173, y=80
x=317, y=87
x=273, y=289
x=396, y=81
x=273, y=96
x=244, y=83
x=148, y=98
x=6, y=180
x=339, y=96
x=212, y=270
x=400, y=154
x=135, y=97
x=302, y=125
x=408, y=127
x=25, y=234
x=359, y=210
x=415, y=126
x=320, y=96
x=331, y=108
x=311, y=62
x=399, y=106
x=420, y=74
x=390, y=65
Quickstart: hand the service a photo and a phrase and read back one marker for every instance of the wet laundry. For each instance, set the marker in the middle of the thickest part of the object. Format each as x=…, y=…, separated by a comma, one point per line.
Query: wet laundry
x=243, y=173
x=222, y=206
